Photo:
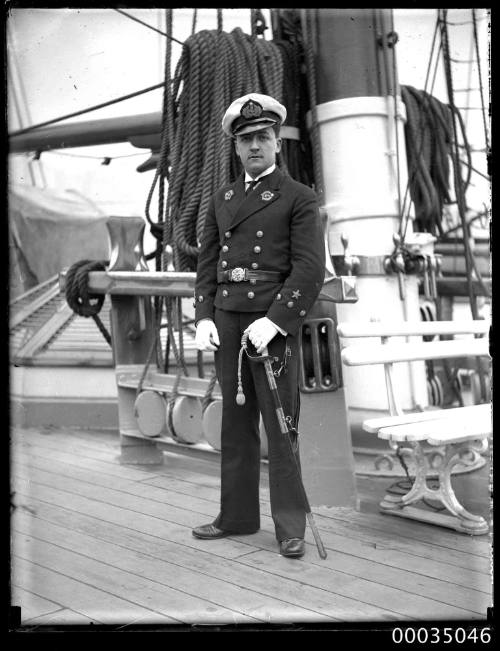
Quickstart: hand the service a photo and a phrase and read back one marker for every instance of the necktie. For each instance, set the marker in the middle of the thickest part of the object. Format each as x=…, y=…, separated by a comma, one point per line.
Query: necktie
x=251, y=185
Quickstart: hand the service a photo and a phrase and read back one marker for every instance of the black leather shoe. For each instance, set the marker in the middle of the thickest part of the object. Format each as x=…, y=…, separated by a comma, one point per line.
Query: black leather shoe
x=292, y=547
x=210, y=532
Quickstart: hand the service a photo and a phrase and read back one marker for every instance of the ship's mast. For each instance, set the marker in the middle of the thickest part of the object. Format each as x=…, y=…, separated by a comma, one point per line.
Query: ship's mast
x=360, y=125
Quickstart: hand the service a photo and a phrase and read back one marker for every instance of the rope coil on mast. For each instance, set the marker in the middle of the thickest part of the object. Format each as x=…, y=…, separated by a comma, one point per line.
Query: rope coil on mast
x=211, y=72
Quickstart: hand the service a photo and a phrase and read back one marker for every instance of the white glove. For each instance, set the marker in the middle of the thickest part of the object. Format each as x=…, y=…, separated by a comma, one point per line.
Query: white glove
x=260, y=333
x=207, y=337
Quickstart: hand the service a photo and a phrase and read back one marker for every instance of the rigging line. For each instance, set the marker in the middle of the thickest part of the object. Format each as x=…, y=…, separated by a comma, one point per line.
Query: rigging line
x=469, y=81
x=62, y=153
x=87, y=110
x=155, y=29
x=466, y=22
x=476, y=43
x=469, y=108
x=453, y=60
x=470, y=264
x=21, y=101
x=471, y=167
x=394, y=98
x=17, y=109
x=434, y=40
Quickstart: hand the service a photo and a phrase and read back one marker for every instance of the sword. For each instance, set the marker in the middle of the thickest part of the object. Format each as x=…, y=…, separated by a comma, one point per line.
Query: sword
x=284, y=427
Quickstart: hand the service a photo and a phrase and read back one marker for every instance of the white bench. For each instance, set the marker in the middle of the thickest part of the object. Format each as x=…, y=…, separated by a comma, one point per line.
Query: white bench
x=463, y=431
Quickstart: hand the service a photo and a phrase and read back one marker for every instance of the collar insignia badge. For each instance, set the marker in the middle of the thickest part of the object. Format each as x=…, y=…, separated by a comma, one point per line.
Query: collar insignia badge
x=265, y=196
x=228, y=195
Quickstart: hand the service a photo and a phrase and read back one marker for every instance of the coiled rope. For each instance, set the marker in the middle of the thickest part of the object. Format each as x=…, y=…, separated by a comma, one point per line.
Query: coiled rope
x=428, y=136
x=215, y=68
x=77, y=293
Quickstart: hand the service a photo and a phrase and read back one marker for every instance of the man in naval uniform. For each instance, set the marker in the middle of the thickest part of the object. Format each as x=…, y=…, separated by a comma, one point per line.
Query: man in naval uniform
x=260, y=268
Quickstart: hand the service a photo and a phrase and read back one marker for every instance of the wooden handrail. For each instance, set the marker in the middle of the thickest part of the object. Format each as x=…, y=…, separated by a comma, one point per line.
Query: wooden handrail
x=139, y=283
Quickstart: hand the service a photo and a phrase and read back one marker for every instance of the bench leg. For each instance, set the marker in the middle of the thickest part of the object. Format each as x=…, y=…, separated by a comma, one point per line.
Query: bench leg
x=458, y=517
x=468, y=522
x=419, y=488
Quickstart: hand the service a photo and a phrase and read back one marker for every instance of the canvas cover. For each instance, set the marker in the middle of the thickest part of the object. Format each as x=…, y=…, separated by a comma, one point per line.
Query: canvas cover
x=49, y=230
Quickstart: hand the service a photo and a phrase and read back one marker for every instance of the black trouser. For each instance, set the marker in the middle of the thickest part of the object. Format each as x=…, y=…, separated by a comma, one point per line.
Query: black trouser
x=240, y=440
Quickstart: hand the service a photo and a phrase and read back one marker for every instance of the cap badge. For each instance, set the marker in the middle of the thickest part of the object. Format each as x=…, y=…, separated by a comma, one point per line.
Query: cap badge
x=251, y=109
x=228, y=195
x=265, y=196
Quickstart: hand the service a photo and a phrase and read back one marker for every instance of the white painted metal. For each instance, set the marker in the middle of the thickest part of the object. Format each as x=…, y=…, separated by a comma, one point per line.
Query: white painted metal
x=363, y=188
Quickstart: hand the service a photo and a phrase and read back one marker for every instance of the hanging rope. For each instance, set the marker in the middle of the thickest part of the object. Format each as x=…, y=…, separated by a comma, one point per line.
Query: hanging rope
x=307, y=30
x=77, y=293
x=207, y=398
x=428, y=138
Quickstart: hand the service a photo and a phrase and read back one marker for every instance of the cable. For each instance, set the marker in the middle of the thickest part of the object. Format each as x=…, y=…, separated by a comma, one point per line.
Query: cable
x=155, y=29
x=106, y=158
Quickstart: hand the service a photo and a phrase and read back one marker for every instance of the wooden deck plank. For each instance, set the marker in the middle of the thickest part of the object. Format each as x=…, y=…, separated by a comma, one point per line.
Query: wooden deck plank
x=260, y=579
x=63, y=617
x=209, y=563
x=352, y=534
x=98, y=606
x=228, y=547
x=413, y=531
x=376, y=558
x=77, y=498
x=146, y=581
x=409, y=605
x=350, y=586
x=32, y=605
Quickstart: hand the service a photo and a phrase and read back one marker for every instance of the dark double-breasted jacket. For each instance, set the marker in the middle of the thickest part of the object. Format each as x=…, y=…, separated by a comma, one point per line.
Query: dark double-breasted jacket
x=275, y=228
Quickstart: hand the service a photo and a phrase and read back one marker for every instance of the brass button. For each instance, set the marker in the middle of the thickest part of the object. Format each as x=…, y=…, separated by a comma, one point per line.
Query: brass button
x=225, y=292
x=259, y=233
x=227, y=234
x=302, y=313
x=251, y=295
x=278, y=297
x=200, y=299
x=256, y=249
x=255, y=265
x=225, y=248
x=223, y=264
x=290, y=304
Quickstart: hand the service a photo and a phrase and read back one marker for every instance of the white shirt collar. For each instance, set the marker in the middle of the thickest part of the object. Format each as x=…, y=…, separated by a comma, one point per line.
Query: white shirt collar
x=269, y=170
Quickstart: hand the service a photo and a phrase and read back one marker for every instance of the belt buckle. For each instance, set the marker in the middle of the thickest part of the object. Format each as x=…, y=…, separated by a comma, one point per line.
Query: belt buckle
x=237, y=275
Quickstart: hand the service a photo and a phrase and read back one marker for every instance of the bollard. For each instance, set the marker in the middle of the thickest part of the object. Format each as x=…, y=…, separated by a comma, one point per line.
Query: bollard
x=133, y=333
